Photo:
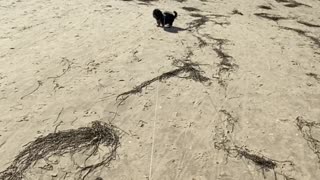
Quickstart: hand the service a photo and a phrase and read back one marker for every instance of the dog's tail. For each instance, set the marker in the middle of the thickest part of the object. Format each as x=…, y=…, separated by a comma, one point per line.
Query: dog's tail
x=175, y=14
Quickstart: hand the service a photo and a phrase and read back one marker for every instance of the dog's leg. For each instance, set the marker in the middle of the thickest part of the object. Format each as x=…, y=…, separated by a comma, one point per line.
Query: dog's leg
x=163, y=21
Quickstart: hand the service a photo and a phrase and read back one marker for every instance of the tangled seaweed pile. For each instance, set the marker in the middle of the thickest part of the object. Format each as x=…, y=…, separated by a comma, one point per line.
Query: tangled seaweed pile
x=71, y=141
x=306, y=127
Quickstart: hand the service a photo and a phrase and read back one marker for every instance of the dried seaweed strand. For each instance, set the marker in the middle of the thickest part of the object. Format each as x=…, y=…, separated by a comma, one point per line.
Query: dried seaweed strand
x=187, y=67
x=270, y=16
x=40, y=83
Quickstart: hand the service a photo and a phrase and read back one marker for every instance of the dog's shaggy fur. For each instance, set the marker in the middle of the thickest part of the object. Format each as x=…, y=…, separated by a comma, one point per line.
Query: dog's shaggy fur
x=164, y=18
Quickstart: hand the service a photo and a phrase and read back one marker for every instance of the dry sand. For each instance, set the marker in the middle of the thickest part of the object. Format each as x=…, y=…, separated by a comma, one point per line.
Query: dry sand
x=63, y=63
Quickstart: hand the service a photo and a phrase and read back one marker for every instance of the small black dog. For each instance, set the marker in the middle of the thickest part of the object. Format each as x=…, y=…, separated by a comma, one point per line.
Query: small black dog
x=164, y=18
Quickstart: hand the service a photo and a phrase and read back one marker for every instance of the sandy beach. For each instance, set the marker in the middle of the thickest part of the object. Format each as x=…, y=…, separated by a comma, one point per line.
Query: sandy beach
x=230, y=92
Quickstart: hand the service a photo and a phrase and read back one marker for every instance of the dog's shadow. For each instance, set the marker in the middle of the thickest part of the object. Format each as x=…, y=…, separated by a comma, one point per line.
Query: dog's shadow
x=173, y=29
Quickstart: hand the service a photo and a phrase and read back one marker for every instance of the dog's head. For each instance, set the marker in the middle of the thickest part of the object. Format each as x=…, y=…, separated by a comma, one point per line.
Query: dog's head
x=157, y=14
